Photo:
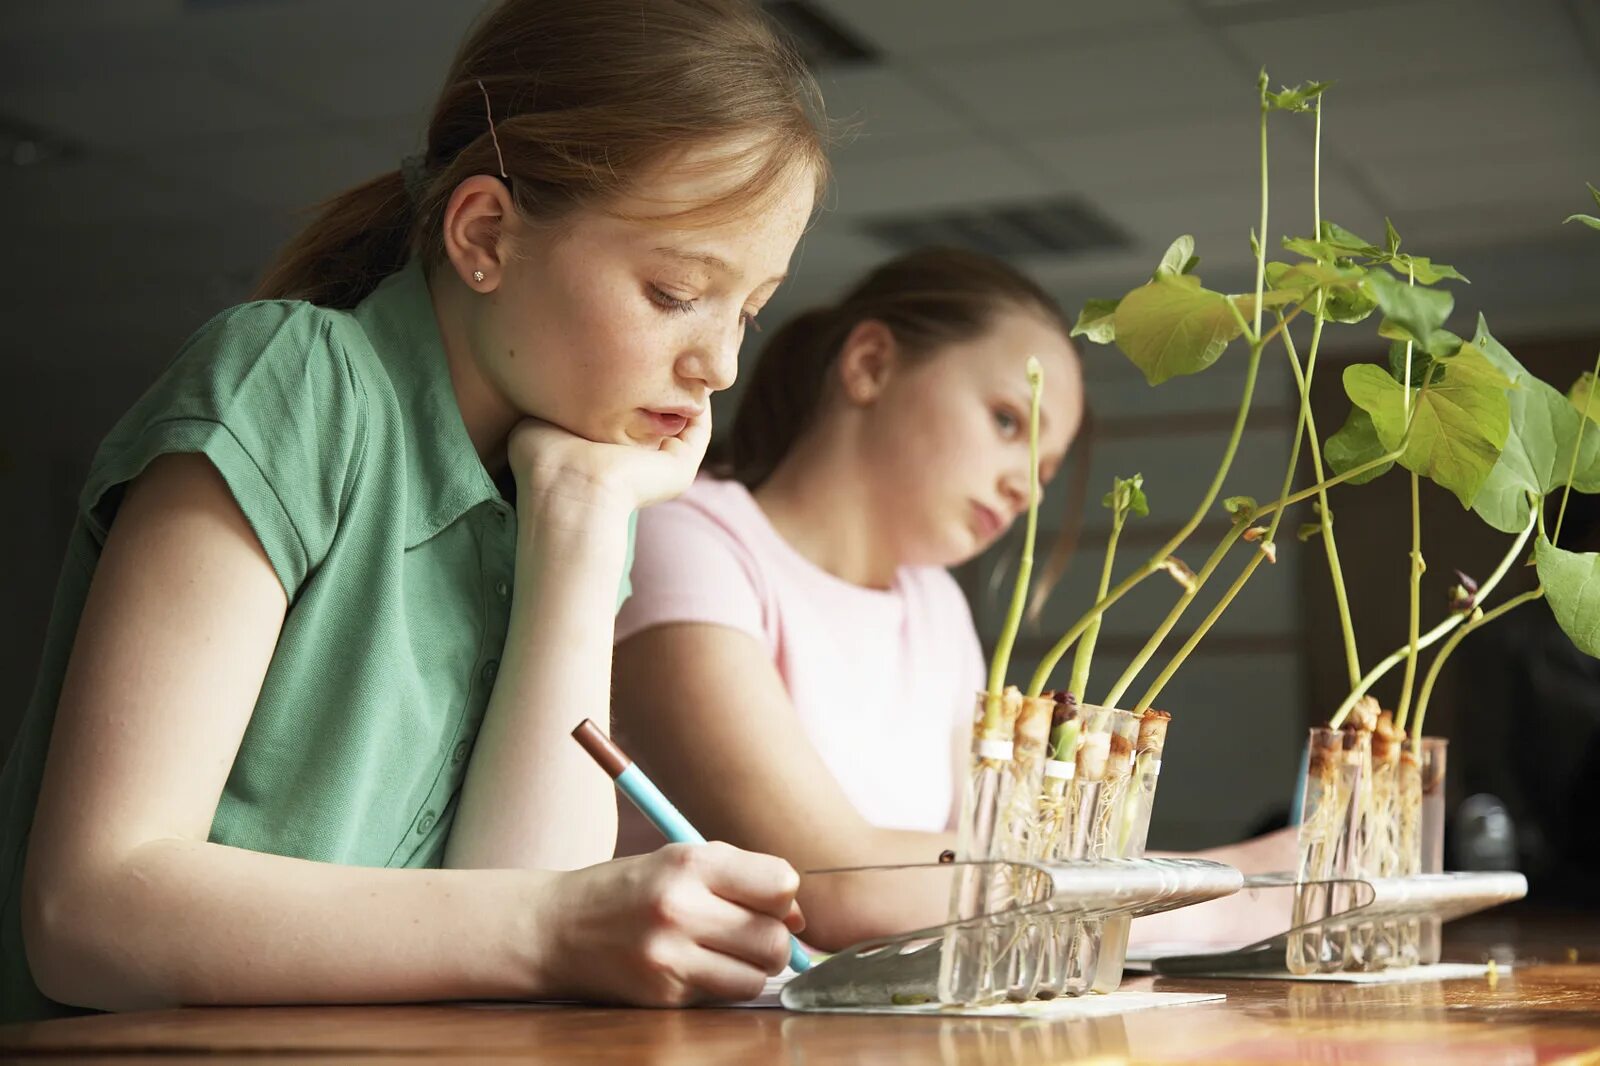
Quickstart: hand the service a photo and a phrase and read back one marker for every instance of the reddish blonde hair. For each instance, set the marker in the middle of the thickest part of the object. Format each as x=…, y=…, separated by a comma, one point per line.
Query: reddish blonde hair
x=586, y=97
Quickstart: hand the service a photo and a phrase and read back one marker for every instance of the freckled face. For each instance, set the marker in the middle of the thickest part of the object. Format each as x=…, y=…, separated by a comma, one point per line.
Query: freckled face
x=618, y=329
x=947, y=440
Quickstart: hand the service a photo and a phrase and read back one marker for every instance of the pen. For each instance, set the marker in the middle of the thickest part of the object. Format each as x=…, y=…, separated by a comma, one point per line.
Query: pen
x=643, y=793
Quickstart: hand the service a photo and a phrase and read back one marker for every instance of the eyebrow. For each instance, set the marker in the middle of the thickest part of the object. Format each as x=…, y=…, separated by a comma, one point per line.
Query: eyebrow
x=712, y=261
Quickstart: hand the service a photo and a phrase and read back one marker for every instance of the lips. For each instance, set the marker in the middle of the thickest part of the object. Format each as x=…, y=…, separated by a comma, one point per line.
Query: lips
x=986, y=522
x=671, y=421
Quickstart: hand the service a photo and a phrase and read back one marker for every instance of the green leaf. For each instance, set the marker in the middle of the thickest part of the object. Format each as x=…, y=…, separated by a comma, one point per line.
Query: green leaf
x=1307, y=530
x=1421, y=364
x=1172, y=326
x=1095, y=321
x=1391, y=239
x=1177, y=258
x=1242, y=508
x=1582, y=396
x=1296, y=99
x=1321, y=251
x=1348, y=305
x=1355, y=444
x=1460, y=424
x=1425, y=270
x=1588, y=220
x=1440, y=342
x=1538, y=448
x=1336, y=236
x=1571, y=583
x=1126, y=497
x=1419, y=311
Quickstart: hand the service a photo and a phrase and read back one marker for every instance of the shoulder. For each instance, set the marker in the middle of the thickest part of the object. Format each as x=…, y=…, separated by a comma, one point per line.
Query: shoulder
x=269, y=392
x=694, y=562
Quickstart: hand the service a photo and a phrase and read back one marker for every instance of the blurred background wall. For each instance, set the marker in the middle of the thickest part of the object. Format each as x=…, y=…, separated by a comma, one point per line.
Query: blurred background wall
x=153, y=153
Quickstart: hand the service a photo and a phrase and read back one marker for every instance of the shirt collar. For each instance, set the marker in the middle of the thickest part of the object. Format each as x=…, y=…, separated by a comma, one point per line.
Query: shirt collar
x=445, y=477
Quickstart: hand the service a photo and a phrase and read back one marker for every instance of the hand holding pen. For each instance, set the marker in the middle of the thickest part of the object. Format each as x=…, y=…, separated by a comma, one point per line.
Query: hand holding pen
x=642, y=792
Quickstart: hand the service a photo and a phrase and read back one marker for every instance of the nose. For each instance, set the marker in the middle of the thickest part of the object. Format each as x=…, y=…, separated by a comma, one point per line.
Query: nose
x=1014, y=491
x=714, y=361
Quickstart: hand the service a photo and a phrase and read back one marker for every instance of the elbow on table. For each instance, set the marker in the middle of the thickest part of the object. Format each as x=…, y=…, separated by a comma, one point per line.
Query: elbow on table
x=67, y=941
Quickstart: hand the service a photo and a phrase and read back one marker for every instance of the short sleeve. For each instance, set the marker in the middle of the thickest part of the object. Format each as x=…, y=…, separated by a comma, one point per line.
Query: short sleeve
x=266, y=394
x=689, y=568
x=627, y=565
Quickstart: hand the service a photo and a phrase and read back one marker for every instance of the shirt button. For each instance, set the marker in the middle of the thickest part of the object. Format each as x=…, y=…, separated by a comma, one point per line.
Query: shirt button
x=501, y=589
x=426, y=823
x=490, y=670
x=459, y=756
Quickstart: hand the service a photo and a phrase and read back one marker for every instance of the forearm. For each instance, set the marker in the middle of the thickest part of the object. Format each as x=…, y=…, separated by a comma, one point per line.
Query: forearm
x=531, y=797
x=183, y=922
x=845, y=909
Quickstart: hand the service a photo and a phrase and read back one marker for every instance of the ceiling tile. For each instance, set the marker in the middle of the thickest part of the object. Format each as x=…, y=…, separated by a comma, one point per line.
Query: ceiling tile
x=1449, y=42
x=973, y=173
x=1094, y=86
x=910, y=27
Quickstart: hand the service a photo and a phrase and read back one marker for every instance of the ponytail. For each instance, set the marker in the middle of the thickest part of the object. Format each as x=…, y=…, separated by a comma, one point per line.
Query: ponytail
x=355, y=241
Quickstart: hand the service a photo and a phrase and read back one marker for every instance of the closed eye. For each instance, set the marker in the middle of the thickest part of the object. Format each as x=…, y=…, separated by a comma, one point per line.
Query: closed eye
x=668, y=302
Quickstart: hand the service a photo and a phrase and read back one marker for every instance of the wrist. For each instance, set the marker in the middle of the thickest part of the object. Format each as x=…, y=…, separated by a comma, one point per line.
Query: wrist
x=532, y=934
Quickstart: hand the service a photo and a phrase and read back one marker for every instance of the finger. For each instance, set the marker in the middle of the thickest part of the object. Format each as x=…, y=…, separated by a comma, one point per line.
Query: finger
x=719, y=978
x=795, y=919
x=763, y=883
x=755, y=939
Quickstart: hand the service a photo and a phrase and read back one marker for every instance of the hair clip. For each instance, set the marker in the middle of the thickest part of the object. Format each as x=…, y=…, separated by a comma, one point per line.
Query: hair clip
x=487, y=110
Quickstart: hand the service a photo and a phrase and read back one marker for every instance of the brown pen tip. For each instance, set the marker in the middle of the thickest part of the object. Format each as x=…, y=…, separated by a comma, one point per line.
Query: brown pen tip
x=600, y=748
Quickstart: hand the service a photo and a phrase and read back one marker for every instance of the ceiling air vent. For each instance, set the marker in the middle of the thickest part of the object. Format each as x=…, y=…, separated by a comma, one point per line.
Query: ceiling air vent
x=1047, y=227
x=820, y=40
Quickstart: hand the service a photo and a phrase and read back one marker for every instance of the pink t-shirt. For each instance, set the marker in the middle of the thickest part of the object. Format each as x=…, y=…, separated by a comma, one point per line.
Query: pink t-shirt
x=880, y=678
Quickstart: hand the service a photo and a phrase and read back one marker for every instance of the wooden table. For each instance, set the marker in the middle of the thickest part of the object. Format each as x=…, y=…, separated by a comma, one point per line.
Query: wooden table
x=1544, y=1010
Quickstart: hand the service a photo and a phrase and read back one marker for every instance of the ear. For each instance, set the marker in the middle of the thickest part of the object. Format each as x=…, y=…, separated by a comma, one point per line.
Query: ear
x=867, y=360
x=478, y=223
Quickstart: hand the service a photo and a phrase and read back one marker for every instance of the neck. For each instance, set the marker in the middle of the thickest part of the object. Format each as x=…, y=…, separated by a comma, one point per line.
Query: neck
x=818, y=501
x=488, y=417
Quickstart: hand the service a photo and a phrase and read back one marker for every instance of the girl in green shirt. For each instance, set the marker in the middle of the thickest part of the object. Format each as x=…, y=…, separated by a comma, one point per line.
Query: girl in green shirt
x=342, y=582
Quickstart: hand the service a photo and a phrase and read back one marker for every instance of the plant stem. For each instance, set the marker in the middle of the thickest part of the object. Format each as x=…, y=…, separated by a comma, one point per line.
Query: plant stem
x=1261, y=239
x=1414, y=624
x=1041, y=676
x=1450, y=646
x=1194, y=638
x=1431, y=637
x=1572, y=468
x=1341, y=598
x=1404, y=708
x=1316, y=175
x=1085, y=654
x=1148, y=651
x=1150, y=646
x=1008, y=635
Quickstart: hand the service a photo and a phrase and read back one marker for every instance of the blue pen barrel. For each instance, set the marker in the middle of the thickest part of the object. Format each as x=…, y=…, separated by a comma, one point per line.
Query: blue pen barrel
x=656, y=807
x=643, y=793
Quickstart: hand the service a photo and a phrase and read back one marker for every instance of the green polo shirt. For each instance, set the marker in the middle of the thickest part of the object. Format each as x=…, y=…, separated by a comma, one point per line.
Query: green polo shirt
x=339, y=437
